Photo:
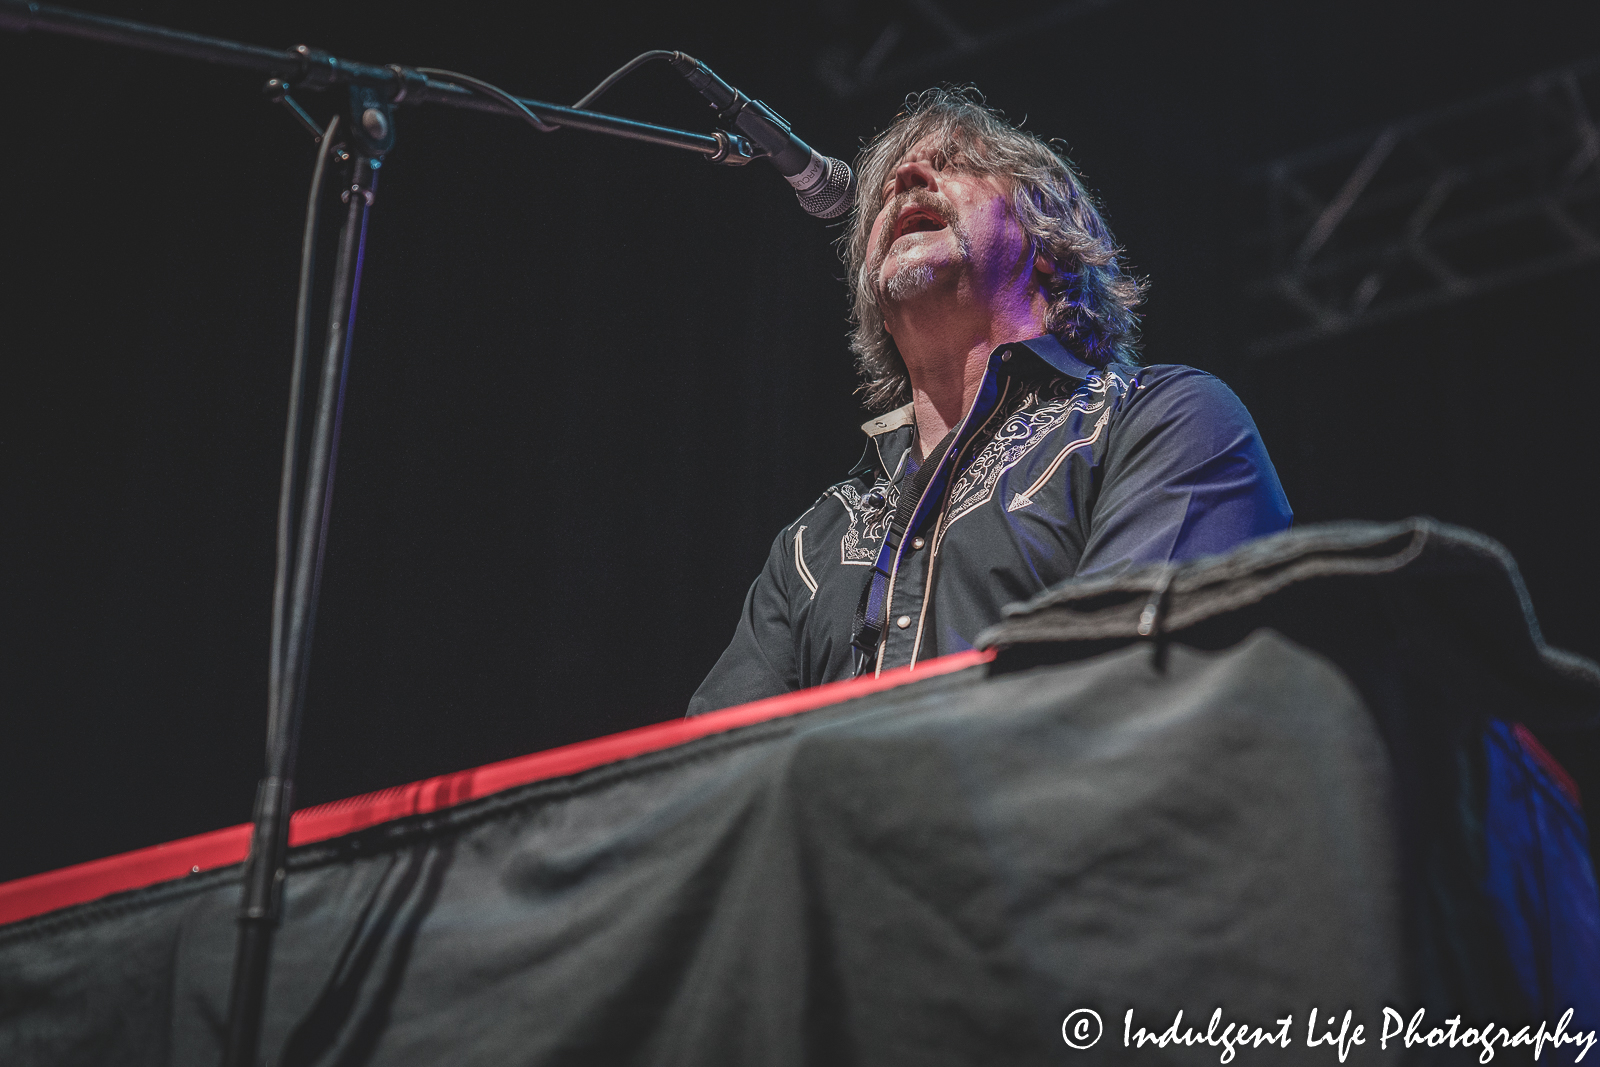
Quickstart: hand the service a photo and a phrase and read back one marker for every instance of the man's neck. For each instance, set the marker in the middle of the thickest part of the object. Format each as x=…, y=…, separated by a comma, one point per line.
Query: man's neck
x=946, y=356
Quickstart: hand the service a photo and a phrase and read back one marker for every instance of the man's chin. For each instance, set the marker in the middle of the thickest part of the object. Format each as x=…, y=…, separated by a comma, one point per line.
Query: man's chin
x=909, y=281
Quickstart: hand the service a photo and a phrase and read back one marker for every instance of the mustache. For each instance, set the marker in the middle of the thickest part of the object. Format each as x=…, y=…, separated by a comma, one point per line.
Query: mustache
x=931, y=202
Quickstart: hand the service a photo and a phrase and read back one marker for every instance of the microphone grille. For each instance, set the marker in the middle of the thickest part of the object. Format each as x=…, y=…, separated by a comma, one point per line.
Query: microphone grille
x=832, y=196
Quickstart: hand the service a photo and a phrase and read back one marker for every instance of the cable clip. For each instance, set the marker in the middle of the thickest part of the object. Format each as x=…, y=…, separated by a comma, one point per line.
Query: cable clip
x=409, y=85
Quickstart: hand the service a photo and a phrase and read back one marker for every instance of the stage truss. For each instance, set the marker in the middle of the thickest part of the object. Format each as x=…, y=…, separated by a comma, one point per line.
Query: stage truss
x=1436, y=208
x=875, y=47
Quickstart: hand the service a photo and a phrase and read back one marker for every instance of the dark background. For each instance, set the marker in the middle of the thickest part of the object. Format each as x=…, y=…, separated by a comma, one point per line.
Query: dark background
x=592, y=379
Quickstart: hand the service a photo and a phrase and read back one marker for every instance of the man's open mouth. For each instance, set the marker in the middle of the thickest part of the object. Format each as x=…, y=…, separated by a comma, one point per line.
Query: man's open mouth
x=916, y=220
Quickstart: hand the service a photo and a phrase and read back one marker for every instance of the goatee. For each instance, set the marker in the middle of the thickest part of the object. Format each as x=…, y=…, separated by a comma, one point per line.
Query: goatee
x=908, y=282
x=913, y=280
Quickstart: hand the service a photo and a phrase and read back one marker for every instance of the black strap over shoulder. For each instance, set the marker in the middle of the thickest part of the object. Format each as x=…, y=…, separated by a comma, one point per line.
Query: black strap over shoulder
x=872, y=610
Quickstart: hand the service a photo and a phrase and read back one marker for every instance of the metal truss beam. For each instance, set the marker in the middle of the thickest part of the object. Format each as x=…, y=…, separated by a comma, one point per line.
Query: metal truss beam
x=1439, y=207
x=927, y=35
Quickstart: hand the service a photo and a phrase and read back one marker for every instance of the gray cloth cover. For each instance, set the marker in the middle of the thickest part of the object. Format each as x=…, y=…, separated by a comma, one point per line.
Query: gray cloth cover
x=935, y=874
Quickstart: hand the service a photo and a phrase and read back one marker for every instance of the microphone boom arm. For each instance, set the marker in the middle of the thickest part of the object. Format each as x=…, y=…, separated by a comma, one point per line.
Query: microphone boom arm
x=311, y=68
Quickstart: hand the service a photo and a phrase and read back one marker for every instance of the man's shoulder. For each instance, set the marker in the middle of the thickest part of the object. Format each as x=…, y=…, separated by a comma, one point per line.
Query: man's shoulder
x=1182, y=407
x=836, y=504
x=1175, y=386
x=1168, y=375
x=863, y=499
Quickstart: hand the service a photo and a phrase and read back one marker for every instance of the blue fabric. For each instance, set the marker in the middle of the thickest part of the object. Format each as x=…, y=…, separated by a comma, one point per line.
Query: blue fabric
x=1542, y=885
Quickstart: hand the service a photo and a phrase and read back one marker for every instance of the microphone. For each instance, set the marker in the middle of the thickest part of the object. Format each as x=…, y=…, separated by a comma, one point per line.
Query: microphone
x=825, y=187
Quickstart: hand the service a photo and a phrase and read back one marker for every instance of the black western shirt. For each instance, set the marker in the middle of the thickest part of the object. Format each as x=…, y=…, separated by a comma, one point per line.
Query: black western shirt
x=1059, y=470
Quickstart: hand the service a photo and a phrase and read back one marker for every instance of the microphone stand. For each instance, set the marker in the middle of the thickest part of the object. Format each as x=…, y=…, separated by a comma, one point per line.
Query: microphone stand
x=368, y=121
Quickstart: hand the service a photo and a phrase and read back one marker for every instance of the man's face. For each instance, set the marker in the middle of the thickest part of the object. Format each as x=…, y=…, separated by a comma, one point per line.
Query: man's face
x=943, y=229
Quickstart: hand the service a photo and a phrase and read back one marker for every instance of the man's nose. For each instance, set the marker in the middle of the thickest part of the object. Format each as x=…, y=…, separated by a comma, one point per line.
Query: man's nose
x=916, y=174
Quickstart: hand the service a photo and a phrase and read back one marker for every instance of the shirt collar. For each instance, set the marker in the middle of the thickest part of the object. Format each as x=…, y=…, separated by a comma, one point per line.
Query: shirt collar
x=891, y=420
x=1048, y=350
x=1051, y=351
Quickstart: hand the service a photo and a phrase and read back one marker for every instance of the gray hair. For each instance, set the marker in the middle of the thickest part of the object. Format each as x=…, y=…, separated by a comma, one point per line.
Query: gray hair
x=1090, y=297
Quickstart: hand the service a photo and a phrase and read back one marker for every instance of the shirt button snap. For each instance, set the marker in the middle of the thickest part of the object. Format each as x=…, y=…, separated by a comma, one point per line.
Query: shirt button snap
x=917, y=542
x=903, y=621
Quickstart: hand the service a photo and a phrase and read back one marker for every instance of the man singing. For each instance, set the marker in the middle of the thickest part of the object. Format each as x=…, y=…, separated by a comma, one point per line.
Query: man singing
x=1029, y=446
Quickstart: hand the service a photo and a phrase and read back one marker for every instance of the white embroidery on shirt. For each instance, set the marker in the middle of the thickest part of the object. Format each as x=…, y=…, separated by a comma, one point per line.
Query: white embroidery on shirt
x=800, y=562
x=1042, y=412
x=866, y=523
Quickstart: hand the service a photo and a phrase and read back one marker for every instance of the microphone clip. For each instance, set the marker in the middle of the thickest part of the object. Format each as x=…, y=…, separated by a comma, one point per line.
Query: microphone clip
x=730, y=113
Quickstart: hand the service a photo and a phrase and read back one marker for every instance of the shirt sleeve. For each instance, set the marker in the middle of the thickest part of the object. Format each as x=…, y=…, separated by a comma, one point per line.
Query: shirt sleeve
x=760, y=660
x=1185, y=475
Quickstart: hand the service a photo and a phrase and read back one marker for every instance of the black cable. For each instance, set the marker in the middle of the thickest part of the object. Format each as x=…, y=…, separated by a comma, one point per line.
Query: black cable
x=291, y=437
x=498, y=93
x=539, y=124
x=276, y=713
x=621, y=72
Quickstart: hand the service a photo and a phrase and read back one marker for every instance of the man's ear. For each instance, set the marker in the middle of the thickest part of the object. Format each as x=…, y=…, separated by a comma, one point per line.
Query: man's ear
x=1043, y=263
